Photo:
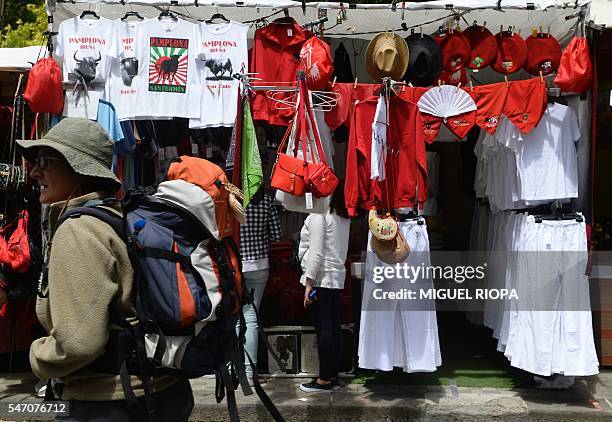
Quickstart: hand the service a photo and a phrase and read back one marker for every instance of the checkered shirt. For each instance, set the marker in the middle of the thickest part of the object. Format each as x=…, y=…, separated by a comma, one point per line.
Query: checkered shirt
x=262, y=226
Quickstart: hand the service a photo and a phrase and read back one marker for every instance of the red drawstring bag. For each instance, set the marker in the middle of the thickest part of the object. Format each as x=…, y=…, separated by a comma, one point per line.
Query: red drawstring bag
x=575, y=72
x=317, y=62
x=44, y=91
x=15, y=253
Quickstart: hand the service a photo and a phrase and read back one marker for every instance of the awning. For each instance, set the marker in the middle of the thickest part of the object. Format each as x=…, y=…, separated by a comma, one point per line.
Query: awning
x=601, y=12
x=19, y=59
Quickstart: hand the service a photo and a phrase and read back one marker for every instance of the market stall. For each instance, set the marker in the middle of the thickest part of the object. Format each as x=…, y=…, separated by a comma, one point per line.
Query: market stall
x=462, y=173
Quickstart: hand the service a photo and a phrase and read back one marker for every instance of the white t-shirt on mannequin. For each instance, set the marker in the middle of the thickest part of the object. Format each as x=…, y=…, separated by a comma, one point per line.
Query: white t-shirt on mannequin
x=86, y=47
x=222, y=51
x=167, y=81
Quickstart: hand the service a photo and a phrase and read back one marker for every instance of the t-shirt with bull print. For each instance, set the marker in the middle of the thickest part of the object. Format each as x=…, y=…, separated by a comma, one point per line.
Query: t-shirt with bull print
x=86, y=47
x=222, y=52
x=167, y=79
x=120, y=89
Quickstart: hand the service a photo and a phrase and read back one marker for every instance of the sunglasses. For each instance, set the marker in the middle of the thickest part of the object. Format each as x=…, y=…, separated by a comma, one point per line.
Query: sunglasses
x=43, y=162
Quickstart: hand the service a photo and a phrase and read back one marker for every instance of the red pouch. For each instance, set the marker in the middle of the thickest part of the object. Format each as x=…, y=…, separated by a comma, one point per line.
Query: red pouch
x=575, y=72
x=44, y=92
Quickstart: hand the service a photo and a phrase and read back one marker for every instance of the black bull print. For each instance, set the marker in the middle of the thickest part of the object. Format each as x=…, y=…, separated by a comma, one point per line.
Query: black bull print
x=129, y=69
x=167, y=68
x=86, y=67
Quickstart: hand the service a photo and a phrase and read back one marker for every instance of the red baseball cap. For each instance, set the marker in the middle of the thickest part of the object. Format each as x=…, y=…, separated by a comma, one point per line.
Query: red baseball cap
x=455, y=49
x=483, y=45
x=544, y=54
x=511, y=53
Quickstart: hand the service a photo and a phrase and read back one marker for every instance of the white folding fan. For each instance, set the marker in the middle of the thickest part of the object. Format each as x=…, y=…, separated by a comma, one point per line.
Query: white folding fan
x=446, y=101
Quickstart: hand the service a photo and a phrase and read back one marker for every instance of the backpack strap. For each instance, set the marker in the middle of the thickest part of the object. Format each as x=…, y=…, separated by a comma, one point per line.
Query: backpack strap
x=95, y=209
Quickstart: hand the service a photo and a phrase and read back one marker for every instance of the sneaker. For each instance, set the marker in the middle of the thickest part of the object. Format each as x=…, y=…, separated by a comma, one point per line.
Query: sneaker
x=314, y=387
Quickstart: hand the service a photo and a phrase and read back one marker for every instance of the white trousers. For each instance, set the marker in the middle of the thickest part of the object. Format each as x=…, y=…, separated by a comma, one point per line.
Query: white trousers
x=399, y=335
x=550, y=327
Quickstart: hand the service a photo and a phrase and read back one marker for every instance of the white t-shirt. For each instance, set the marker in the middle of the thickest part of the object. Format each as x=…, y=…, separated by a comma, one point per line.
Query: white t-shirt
x=121, y=87
x=546, y=157
x=379, y=141
x=86, y=47
x=222, y=51
x=167, y=81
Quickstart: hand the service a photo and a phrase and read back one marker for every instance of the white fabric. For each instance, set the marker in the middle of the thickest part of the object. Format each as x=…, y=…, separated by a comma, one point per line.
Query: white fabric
x=121, y=87
x=91, y=42
x=323, y=249
x=379, y=140
x=165, y=87
x=399, y=335
x=222, y=51
x=17, y=59
x=550, y=327
x=546, y=157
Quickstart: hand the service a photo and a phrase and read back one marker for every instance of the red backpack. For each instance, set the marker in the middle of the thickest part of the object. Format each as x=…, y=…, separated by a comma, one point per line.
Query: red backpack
x=15, y=253
x=44, y=92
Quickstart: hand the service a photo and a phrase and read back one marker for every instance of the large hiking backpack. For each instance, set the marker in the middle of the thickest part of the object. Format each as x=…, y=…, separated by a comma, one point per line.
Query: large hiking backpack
x=188, y=290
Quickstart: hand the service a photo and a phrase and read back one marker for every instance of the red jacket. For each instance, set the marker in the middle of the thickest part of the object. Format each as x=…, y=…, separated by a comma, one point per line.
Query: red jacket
x=275, y=56
x=405, y=171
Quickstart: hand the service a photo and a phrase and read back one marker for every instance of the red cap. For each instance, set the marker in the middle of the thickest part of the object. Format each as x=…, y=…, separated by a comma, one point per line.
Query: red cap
x=511, y=53
x=455, y=49
x=544, y=54
x=483, y=45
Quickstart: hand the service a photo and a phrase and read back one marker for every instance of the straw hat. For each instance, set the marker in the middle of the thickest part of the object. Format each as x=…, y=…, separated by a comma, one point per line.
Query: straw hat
x=387, y=56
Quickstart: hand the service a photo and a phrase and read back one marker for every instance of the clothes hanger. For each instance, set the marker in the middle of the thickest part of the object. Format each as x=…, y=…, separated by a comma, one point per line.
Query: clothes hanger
x=217, y=15
x=167, y=14
x=91, y=13
x=130, y=14
x=285, y=19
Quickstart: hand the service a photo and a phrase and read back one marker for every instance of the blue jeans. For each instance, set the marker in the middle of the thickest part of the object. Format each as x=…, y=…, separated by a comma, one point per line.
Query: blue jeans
x=256, y=281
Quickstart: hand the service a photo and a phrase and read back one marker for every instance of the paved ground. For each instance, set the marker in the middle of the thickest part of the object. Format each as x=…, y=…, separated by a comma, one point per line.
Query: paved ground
x=589, y=400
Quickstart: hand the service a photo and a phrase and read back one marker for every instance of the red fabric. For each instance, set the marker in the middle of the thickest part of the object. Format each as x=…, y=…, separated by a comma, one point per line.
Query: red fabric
x=455, y=50
x=544, y=54
x=317, y=63
x=15, y=253
x=275, y=57
x=16, y=326
x=526, y=103
x=483, y=45
x=430, y=125
x=407, y=171
x=576, y=68
x=44, y=91
x=511, y=53
x=490, y=100
x=461, y=124
x=454, y=78
x=347, y=95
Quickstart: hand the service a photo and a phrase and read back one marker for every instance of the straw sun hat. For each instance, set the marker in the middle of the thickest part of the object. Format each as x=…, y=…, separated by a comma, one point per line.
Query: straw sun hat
x=387, y=56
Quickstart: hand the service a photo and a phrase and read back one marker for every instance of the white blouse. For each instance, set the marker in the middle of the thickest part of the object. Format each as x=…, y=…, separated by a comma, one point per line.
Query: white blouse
x=323, y=249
